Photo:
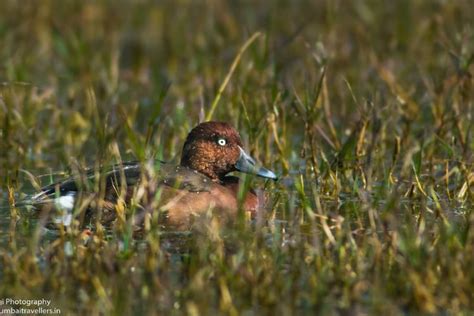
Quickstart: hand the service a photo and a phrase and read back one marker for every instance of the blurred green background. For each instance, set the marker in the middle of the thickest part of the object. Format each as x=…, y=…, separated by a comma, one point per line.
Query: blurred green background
x=364, y=107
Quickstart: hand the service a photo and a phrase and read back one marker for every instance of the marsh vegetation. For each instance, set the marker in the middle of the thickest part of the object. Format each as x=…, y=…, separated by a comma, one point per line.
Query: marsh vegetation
x=364, y=108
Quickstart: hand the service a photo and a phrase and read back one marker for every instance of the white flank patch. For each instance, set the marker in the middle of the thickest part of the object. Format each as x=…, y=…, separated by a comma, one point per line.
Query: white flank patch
x=65, y=202
x=65, y=205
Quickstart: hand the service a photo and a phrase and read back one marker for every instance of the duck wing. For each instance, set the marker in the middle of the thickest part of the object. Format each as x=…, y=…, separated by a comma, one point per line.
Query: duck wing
x=178, y=177
x=84, y=182
x=184, y=178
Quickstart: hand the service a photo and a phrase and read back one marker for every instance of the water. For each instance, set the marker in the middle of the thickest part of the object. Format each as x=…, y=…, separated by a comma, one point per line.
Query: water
x=346, y=206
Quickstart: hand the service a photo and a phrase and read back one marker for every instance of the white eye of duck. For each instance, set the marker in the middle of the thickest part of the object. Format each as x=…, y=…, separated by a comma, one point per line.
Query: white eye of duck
x=221, y=142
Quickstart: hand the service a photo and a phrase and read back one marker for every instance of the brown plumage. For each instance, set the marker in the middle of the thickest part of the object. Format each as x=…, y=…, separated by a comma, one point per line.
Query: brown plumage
x=201, y=151
x=180, y=193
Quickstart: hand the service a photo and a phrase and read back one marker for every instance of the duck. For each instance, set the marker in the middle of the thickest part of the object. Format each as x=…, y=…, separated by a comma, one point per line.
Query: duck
x=181, y=193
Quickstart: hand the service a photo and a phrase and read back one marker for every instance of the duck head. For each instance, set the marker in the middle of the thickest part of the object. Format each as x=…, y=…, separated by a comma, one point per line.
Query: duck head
x=215, y=149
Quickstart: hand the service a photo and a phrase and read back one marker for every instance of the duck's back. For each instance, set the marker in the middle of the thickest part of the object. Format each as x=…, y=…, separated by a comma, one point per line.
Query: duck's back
x=178, y=192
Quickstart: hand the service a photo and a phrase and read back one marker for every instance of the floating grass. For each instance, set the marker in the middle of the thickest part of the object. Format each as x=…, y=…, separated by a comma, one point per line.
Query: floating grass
x=364, y=109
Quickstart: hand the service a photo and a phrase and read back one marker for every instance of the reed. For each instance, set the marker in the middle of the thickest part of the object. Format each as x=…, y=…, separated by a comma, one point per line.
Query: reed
x=364, y=108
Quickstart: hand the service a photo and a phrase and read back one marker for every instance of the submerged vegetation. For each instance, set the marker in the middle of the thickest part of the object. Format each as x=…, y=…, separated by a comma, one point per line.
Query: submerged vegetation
x=364, y=108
